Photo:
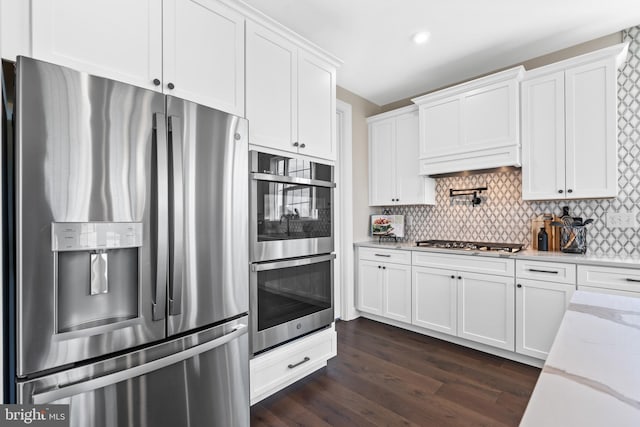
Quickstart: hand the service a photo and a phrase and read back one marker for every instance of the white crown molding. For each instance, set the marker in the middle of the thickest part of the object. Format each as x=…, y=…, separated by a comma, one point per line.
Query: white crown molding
x=515, y=73
x=255, y=15
x=392, y=113
x=616, y=52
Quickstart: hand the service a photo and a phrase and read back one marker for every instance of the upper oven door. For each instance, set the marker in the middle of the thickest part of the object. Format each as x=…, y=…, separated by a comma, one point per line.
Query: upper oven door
x=291, y=207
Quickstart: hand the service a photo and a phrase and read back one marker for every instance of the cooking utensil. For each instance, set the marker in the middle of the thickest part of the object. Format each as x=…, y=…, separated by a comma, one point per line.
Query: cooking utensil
x=587, y=222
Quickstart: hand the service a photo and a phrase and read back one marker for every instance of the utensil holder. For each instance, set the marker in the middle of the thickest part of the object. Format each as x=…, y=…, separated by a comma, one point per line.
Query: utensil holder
x=573, y=239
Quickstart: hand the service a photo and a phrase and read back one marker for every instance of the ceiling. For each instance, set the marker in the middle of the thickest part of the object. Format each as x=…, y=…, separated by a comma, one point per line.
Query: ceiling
x=468, y=37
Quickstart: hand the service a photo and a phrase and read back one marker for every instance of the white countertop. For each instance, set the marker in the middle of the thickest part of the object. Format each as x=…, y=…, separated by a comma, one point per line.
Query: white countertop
x=601, y=260
x=592, y=375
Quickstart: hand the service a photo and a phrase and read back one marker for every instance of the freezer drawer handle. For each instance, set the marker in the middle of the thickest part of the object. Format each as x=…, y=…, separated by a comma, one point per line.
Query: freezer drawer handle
x=384, y=255
x=155, y=365
x=541, y=271
x=295, y=365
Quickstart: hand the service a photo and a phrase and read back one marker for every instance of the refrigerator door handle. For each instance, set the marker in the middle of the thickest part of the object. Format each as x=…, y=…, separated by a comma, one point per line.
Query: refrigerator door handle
x=160, y=297
x=176, y=185
x=155, y=365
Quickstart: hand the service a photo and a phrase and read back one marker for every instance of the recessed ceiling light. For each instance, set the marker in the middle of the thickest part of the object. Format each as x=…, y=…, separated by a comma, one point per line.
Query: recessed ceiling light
x=421, y=37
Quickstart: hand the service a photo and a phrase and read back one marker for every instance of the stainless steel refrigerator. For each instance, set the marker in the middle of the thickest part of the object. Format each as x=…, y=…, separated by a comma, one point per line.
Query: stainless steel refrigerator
x=126, y=212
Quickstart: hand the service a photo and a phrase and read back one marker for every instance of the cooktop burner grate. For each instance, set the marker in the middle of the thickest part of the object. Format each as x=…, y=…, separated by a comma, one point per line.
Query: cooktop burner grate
x=479, y=246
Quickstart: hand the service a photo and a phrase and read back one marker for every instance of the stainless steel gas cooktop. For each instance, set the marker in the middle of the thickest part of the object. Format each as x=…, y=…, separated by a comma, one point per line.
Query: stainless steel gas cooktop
x=471, y=246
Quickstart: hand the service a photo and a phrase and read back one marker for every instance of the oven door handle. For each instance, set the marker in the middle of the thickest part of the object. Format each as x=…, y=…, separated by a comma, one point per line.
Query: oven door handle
x=292, y=263
x=291, y=180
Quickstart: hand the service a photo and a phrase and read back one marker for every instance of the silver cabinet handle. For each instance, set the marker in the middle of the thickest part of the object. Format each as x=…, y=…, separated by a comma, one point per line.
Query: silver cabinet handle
x=155, y=365
x=295, y=365
x=160, y=213
x=629, y=279
x=383, y=255
x=177, y=215
x=541, y=271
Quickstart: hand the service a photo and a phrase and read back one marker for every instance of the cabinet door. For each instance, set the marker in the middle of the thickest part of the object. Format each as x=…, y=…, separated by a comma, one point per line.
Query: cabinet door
x=316, y=107
x=118, y=39
x=490, y=116
x=543, y=136
x=540, y=307
x=271, y=91
x=370, y=287
x=591, y=130
x=382, y=185
x=397, y=292
x=440, y=128
x=434, y=299
x=410, y=186
x=204, y=54
x=486, y=311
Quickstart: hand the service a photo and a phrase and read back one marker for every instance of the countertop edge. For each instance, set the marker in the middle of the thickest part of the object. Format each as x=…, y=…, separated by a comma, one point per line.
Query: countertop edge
x=594, y=260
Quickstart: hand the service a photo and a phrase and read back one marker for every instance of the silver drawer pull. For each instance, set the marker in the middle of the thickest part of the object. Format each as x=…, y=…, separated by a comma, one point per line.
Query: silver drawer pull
x=291, y=366
x=629, y=279
x=541, y=271
x=386, y=256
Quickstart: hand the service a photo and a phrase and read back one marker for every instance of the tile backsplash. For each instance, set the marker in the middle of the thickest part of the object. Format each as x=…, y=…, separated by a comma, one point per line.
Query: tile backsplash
x=504, y=216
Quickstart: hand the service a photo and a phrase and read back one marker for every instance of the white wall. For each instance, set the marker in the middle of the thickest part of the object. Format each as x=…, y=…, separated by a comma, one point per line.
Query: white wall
x=360, y=109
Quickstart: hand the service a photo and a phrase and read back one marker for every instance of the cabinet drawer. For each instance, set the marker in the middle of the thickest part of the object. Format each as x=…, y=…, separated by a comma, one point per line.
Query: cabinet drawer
x=472, y=263
x=620, y=279
x=385, y=255
x=286, y=364
x=546, y=271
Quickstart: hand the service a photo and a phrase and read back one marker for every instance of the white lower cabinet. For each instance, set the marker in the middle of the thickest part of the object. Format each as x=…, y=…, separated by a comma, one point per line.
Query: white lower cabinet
x=540, y=307
x=284, y=365
x=486, y=311
x=369, y=287
x=434, y=299
x=384, y=289
x=462, y=302
x=397, y=292
x=609, y=280
x=500, y=302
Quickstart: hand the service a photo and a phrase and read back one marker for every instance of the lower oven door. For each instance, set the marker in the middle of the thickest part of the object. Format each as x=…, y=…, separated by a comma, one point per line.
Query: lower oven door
x=197, y=380
x=290, y=298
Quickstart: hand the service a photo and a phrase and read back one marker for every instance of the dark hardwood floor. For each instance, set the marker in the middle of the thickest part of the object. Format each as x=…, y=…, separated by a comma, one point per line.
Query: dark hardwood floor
x=386, y=376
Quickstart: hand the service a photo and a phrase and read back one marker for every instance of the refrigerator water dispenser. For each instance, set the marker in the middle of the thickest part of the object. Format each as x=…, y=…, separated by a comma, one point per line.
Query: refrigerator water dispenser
x=97, y=274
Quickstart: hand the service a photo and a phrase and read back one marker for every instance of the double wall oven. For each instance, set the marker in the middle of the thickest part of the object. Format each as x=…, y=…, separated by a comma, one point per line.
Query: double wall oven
x=291, y=245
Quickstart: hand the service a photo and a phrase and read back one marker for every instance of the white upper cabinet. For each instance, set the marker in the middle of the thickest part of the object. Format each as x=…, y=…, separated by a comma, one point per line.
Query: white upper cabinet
x=192, y=49
x=393, y=170
x=569, y=127
x=291, y=95
x=382, y=188
x=474, y=125
x=203, y=57
x=591, y=105
x=271, y=79
x=316, y=106
x=543, y=154
x=118, y=39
